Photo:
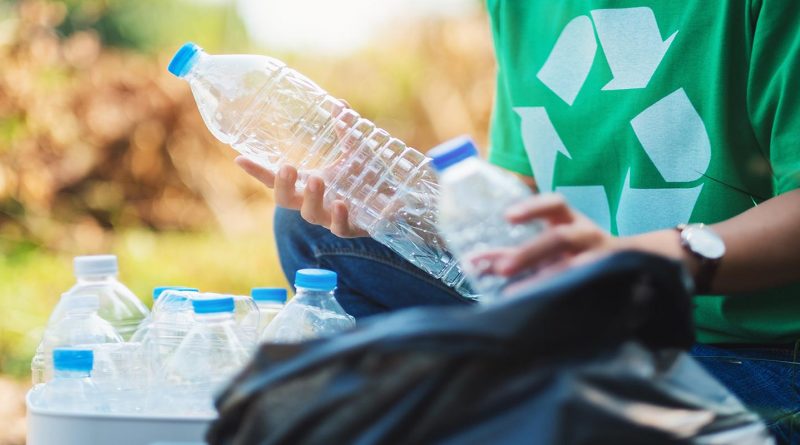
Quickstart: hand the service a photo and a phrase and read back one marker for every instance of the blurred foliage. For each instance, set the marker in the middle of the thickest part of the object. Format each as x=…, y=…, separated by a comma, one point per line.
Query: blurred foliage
x=93, y=138
x=96, y=138
x=152, y=24
x=102, y=150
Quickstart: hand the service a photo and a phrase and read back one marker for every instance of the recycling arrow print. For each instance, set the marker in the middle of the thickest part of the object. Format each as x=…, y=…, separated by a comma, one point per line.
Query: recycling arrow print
x=632, y=45
x=671, y=131
x=542, y=143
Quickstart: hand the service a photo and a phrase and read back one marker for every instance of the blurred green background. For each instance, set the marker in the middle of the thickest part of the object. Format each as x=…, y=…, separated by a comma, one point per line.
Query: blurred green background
x=102, y=150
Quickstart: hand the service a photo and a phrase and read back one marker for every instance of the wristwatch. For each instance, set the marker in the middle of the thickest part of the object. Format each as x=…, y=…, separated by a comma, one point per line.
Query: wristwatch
x=705, y=245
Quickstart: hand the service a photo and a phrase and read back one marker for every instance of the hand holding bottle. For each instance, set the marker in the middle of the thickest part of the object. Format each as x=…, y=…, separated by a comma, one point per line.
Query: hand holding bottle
x=310, y=201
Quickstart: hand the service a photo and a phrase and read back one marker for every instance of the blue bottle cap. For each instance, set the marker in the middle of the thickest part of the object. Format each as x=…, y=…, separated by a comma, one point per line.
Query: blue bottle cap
x=452, y=152
x=315, y=279
x=157, y=291
x=212, y=305
x=277, y=294
x=183, y=60
x=73, y=359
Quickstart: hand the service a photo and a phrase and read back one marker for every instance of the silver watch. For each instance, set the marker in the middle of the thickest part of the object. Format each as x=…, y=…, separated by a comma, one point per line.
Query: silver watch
x=705, y=245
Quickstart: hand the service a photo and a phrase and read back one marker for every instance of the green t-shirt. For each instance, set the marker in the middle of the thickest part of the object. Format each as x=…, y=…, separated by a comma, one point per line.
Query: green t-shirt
x=649, y=113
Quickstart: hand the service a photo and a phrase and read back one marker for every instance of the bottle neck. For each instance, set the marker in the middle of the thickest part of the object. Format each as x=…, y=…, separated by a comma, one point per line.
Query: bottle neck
x=81, y=312
x=70, y=374
x=462, y=169
x=214, y=317
x=312, y=295
x=191, y=74
x=95, y=279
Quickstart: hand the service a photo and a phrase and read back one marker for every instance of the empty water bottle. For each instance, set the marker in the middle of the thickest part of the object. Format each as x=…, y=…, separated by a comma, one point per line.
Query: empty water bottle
x=312, y=313
x=274, y=115
x=182, y=304
x=71, y=389
x=475, y=196
x=118, y=305
x=164, y=330
x=248, y=319
x=270, y=301
x=209, y=354
x=121, y=375
x=79, y=325
x=159, y=290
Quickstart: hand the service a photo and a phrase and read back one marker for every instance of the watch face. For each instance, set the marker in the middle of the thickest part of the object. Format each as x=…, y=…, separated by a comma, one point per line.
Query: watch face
x=704, y=241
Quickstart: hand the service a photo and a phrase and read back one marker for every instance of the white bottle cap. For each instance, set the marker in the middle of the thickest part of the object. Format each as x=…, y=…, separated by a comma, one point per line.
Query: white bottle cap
x=95, y=265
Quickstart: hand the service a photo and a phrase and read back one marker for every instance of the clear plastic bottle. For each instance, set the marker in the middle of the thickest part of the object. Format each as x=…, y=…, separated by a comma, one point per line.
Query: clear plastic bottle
x=474, y=198
x=248, y=319
x=169, y=322
x=145, y=326
x=209, y=355
x=158, y=290
x=118, y=305
x=79, y=326
x=121, y=374
x=270, y=301
x=275, y=115
x=312, y=313
x=71, y=389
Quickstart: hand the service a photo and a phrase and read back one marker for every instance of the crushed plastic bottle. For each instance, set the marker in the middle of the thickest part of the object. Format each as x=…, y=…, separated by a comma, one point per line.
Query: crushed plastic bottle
x=159, y=290
x=79, y=326
x=248, y=319
x=209, y=354
x=168, y=324
x=144, y=327
x=274, y=115
x=72, y=388
x=312, y=313
x=270, y=301
x=474, y=198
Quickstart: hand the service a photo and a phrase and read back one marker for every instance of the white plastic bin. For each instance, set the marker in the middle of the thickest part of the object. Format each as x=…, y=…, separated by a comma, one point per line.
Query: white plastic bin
x=49, y=427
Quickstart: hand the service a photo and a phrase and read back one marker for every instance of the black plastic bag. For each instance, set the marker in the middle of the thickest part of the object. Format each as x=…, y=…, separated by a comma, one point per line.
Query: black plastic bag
x=593, y=356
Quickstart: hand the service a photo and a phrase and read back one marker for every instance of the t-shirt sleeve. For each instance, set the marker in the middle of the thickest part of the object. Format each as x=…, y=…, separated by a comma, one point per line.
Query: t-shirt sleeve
x=506, y=148
x=774, y=88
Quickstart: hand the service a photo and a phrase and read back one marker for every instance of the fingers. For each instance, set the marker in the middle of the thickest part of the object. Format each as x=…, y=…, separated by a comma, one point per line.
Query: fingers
x=256, y=171
x=340, y=222
x=551, y=207
x=283, y=183
x=310, y=202
x=286, y=194
x=312, y=209
x=552, y=245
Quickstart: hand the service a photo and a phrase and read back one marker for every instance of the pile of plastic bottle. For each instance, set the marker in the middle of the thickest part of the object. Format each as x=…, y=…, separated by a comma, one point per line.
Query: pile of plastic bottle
x=104, y=352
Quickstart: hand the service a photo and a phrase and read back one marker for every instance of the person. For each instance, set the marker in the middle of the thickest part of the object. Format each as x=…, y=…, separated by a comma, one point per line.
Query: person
x=630, y=120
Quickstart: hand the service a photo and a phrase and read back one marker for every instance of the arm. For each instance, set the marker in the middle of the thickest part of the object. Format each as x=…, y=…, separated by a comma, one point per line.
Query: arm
x=762, y=246
x=763, y=243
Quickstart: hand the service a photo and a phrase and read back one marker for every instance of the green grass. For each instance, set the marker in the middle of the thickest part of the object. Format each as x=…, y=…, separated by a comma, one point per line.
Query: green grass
x=32, y=282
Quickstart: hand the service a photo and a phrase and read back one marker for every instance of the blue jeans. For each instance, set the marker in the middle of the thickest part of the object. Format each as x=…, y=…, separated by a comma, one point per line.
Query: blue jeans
x=765, y=378
x=373, y=279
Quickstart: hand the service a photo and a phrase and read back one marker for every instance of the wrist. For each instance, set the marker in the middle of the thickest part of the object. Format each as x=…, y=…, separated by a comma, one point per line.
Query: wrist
x=666, y=243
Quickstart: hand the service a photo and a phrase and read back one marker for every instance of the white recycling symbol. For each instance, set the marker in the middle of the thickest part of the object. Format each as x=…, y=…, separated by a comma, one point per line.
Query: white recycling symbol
x=671, y=131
